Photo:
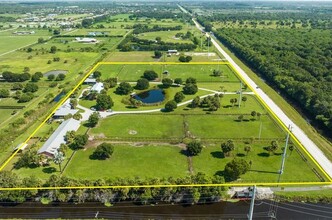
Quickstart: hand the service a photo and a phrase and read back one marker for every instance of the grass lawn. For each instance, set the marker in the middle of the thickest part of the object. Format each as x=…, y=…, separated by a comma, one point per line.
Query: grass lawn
x=227, y=126
x=264, y=168
x=134, y=56
x=202, y=73
x=129, y=162
x=152, y=126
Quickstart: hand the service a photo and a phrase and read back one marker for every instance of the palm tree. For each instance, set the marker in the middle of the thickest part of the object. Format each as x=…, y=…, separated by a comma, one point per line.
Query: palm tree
x=247, y=149
x=244, y=99
x=58, y=159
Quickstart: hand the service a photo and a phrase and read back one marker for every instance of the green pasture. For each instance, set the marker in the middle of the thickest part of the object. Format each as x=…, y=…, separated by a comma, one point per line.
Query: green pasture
x=76, y=61
x=264, y=167
x=203, y=73
x=144, y=125
x=228, y=126
x=129, y=162
x=131, y=56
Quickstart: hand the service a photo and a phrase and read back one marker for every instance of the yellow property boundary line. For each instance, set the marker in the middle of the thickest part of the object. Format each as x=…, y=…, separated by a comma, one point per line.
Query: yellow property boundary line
x=159, y=186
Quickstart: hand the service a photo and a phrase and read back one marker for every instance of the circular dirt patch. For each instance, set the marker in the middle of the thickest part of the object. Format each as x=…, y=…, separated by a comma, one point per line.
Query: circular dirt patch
x=132, y=132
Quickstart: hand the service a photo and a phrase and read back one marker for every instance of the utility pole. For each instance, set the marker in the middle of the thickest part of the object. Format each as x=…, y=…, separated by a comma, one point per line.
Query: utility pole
x=251, y=210
x=285, y=150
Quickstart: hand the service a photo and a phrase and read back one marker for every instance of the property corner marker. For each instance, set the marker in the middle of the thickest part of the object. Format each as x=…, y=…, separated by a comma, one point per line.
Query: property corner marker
x=165, y=186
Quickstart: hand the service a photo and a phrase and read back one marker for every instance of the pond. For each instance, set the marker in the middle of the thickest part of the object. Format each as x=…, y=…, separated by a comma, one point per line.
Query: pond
x=151, y=96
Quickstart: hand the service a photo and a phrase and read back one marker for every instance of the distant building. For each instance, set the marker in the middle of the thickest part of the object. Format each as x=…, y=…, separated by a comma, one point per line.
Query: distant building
x=53, y=143
x=97, y=87
x=64, y=110
x=86, y=40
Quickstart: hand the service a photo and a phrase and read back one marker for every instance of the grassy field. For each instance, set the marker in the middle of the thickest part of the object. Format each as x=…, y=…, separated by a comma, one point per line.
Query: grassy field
x=228, y=126
x=129, y=162
x=313, y=196
x=203, y=73
x=264, y=167
x=152, y=126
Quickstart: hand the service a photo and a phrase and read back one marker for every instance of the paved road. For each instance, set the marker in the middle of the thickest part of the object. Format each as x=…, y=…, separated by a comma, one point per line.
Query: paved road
x=311, y=147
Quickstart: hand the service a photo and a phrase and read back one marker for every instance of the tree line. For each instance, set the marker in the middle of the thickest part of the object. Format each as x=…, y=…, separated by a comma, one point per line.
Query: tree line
x=138, y=195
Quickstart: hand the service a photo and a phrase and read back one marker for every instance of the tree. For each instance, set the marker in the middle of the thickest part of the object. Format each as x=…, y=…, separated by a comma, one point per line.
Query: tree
x=29, y=50
x=190, y=89
x=291, y=148
x=110, y=83
x=185, y=59
x=194, y=148
x=150, y=75
x=227, y=147
x=51, y=77
x=17, y=86
x=195, y=102
x=103, y=151
x=244, y=99
x=87, y=22
x=124, y=88
x=259, y=115
x=178, y=81
x=240, y=118
x=216, y=73
x=157, y=54
x=56, y=32
x=170, y=106
x=96, y=74
x=191, y=80
x=79, y=141
x=58, y=159
x=158, y=39
x=36, y=77
x=167, y=82
x=142, y=84
x=93, y=119
x=25, y=97
x=41, y=40
x=60, y=77
x=77, y=116
x=73, y=103
x=4, y=93
x=178, y=97
x=253, y=114
x=274, y=146
x=30, y=87
x=247, y=149
x=29, y=158
x=53, y=49
x=235, y=168
x=104, y=102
